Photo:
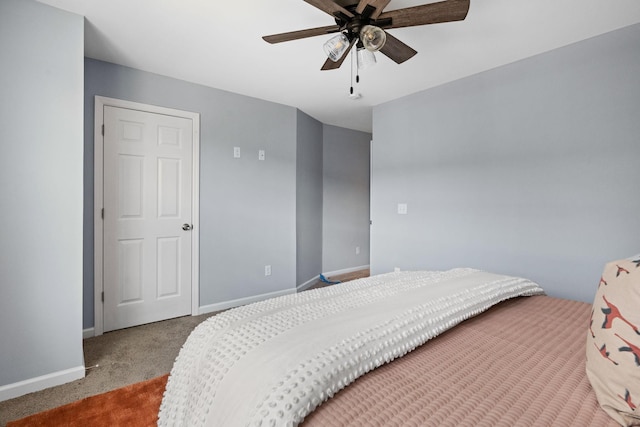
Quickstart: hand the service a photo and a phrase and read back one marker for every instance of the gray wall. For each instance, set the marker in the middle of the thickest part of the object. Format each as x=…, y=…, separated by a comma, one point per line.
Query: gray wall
x=247, y=206
x=41, y=190
x=346, y=175
x=308, y=199
x=530, y=169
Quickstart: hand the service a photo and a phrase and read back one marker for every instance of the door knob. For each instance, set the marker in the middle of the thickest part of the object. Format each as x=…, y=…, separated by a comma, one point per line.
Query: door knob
x=187, y=227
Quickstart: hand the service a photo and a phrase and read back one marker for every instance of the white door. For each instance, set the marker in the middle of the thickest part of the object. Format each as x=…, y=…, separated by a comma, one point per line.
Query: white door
x=147, y=217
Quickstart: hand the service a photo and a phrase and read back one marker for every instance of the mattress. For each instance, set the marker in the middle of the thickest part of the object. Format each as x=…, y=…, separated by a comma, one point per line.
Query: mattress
x=521, y=363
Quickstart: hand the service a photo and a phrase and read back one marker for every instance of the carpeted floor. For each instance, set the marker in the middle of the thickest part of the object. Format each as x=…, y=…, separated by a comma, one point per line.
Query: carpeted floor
x=114, y=360
x=121, y=358
x=134, y=405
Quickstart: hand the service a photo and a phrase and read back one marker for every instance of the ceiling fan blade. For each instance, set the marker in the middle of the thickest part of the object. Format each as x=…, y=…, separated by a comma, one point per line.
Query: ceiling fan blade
x=396, y=50
x=433, y=13
x=330, y=65
x=379, y=6
x=295, y=35
x=330, y=7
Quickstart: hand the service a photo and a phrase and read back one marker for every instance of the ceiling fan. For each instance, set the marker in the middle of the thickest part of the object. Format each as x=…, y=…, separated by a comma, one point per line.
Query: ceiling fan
x=363, y=23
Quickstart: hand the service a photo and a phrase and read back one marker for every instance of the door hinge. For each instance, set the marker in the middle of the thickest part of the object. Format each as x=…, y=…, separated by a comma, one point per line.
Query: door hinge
x=102, y=296
x=103, y=130
x=102, y=213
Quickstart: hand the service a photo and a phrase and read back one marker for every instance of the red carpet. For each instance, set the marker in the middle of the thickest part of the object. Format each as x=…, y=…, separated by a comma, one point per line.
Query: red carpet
x=133, y=405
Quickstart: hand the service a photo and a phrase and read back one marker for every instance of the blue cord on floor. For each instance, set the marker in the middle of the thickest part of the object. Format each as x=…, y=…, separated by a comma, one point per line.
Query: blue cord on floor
x=325, y=280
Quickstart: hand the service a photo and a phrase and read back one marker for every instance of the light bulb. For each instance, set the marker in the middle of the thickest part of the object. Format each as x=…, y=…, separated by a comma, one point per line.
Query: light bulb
x=366, y=58
x=372, y=37
x=336, y=46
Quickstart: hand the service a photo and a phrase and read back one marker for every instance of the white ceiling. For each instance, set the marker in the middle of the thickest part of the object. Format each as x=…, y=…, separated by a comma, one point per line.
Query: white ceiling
x=218, y=44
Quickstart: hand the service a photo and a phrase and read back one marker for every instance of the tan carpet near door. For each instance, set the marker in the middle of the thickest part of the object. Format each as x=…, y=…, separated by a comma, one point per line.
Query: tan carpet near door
x=128, y=357
x=116, y=359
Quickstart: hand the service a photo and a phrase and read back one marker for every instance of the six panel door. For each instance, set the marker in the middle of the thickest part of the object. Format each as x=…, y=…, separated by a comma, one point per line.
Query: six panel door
x=147, y=217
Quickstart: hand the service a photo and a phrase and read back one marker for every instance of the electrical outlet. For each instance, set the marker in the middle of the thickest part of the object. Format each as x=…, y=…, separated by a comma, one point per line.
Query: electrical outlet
x=357, y=250
x=236, y=152
x=402, y=208
x=396, y=269
x=267, y=270
x=260, y=154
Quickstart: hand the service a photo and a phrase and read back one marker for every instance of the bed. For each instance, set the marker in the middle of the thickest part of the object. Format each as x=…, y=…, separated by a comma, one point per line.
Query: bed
x=455, y=348
x=520, y=363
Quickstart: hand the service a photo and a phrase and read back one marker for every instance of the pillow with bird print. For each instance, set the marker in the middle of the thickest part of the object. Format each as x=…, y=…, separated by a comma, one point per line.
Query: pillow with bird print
x=613, y=341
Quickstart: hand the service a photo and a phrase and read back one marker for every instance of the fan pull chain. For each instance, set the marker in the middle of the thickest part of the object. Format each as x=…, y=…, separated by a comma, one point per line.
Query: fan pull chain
x=357, y=68
x=351, y=88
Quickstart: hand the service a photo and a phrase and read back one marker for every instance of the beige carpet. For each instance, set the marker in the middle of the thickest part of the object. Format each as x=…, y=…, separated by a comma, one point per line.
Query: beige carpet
x=121, y=358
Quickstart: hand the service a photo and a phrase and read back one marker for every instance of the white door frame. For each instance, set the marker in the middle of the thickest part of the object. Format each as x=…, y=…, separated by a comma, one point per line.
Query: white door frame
x=98, y=194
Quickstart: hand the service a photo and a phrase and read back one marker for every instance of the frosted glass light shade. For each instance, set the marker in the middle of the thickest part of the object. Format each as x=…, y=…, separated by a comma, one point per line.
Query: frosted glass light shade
x=366, y=58
x=336, y=46
x=372, y=37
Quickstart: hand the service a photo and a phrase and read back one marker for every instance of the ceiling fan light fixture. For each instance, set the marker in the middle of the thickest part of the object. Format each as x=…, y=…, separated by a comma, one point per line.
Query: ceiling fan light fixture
x=372, y=37
x=336, y=46
x=365, y=58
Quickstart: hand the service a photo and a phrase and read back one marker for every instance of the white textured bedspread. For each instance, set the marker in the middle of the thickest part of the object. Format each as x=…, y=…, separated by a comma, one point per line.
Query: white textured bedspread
x=271, y=363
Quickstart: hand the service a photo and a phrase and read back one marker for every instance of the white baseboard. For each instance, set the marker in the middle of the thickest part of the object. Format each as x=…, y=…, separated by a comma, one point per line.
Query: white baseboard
x=90, y=332
x=345, y=271
x=31, y=385
x=306, y=285
x=242, y=301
